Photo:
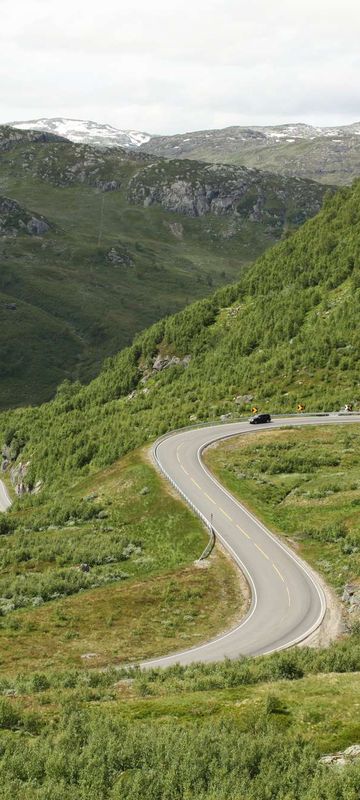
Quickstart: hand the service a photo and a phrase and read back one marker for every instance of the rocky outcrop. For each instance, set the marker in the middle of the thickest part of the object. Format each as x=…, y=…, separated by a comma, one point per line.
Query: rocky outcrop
x=163, y=362
x=37, y=227
x=351, y=596
x=119, y=256
x=195, y=189
x=18, y=475
x=159, y=363
x=108, y=186
x=243, y=399
x=63, y=163
x=343, y=757
x=176, y=228
x=14, y=219
x=12, y=137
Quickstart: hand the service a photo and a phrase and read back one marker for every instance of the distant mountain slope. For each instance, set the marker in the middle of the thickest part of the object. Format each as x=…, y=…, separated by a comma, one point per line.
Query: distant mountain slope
x=328, y=155
x=85, y=131
x=288, y=332
x=94, y=262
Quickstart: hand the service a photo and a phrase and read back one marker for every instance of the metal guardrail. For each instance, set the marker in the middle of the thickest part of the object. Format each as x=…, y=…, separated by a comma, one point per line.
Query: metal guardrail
x=209, y=423
x=208, y=524
x=210, y=545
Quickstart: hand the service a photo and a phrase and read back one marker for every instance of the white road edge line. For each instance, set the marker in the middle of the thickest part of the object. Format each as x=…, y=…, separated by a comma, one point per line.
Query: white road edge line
x=228, y=547
x=287, y=550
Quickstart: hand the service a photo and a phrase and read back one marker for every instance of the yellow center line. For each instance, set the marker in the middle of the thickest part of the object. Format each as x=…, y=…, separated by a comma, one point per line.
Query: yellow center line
x=278, y=572
x=196, y=484
x=244, y=532
x=209, y=498
x=177, y=452
x=261, y=551
x=177, y=456
x=288, y=594
x=225, y=513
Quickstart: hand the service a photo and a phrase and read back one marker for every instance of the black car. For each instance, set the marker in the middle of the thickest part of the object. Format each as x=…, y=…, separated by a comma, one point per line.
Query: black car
x=258, y=419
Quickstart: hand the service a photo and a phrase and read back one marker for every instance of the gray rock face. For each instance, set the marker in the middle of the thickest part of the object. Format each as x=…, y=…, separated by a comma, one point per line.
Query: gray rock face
x=36, y=227
x=351, y=596
x=243, y=399
x=176, y=229
x=195, y=189
x=14, y=219
x=108, y=186
x=163, y=362
x=119, y=256
x=343, y=757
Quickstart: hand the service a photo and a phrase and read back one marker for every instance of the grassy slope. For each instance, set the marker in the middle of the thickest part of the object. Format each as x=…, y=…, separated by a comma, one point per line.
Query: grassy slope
x=75, y=306
x=305, y=484
x=246, y=729
x=143, y=594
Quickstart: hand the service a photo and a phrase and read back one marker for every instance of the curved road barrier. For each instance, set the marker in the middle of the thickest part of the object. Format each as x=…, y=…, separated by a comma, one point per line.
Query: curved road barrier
x=287, y=602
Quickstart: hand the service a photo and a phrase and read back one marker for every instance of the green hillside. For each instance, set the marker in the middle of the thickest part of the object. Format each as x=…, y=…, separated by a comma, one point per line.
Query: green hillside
x=252, y=728
x=288, y=331
x=86, y=265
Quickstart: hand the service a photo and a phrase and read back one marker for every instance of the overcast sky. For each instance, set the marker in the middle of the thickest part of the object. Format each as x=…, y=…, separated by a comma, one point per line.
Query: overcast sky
x=167, y=67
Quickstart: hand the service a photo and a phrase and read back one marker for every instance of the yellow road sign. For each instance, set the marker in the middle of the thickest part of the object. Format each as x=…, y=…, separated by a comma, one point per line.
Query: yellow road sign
x=254, y=410
x=300, y=407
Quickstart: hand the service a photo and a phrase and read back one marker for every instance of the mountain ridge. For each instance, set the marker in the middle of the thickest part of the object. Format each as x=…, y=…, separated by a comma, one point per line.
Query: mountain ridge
x=329, y=154
x=77, y=130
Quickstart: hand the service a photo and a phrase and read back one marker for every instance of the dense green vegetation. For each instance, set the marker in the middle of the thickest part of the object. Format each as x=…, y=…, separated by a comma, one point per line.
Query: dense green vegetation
x=288, y=331
x=106, y=268
x=253, y=728
x=250, y=728
x=305, y=484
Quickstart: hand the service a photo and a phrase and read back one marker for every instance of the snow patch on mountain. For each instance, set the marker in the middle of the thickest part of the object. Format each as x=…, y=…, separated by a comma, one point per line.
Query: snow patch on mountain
x=85, y=131
x=302, y=131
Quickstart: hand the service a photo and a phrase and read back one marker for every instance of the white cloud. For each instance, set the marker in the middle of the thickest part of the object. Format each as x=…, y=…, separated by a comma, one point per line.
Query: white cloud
x=171, y=66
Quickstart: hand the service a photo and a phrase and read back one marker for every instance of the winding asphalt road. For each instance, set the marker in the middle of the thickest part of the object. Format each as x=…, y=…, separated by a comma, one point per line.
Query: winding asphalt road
x=287, y=602
x=5, y=501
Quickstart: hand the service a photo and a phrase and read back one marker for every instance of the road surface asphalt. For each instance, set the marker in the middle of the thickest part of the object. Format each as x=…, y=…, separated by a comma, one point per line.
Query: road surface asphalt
x=287, y=602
